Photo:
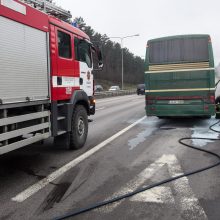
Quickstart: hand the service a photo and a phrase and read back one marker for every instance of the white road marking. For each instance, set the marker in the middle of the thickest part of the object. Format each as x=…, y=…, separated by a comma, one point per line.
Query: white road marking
x=188, y=203
x=100, y=108
x=44, y=182
x=135, y=183
x=160, y=194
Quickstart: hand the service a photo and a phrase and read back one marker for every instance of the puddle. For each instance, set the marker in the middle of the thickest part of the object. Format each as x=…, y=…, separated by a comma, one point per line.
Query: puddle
x=204, y=132
x=140, y=138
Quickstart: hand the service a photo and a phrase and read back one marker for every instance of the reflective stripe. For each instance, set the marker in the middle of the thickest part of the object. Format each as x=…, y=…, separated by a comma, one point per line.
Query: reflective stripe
x=179, y=70
x=180, y=90
x=176, y=66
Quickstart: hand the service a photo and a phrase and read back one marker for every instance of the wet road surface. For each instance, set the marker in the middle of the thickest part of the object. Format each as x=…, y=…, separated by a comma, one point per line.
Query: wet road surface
x=129, y=157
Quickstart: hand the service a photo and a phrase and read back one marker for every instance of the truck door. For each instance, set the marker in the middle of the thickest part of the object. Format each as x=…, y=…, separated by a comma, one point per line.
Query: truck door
x=84, y=56
x=64, y=79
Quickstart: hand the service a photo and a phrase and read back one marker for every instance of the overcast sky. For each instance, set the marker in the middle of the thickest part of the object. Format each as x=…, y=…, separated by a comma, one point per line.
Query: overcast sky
x=150, y=19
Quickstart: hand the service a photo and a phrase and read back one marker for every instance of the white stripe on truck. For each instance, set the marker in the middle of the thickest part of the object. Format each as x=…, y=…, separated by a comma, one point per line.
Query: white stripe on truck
x=66, y=81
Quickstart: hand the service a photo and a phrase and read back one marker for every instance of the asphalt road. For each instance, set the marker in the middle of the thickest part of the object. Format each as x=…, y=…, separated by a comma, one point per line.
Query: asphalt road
x=44, y=181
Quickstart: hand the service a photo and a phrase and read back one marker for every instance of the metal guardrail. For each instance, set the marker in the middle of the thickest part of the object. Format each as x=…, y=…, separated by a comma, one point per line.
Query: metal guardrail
x=106, y=94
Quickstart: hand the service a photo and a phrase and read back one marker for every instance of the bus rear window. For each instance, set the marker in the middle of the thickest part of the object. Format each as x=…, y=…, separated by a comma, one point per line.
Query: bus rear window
x=178, y=50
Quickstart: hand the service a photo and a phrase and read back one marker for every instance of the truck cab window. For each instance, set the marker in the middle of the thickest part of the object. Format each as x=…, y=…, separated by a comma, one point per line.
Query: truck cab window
x=64, y=45
x=83, y=52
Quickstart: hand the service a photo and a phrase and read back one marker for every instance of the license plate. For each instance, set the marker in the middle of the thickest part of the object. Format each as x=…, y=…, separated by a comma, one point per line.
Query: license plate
x=176, y=102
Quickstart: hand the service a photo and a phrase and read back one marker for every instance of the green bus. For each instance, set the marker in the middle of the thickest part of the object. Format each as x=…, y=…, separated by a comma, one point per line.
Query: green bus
x=180, y=76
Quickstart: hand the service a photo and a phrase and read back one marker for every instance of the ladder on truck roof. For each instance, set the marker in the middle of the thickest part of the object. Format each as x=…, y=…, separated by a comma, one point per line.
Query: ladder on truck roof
x=50, y=8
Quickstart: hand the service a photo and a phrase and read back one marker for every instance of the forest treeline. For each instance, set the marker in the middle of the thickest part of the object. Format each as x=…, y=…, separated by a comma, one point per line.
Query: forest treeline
x=133, y=65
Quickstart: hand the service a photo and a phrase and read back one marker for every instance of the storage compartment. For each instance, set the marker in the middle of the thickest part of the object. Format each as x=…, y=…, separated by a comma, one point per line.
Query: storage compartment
x=23, y=63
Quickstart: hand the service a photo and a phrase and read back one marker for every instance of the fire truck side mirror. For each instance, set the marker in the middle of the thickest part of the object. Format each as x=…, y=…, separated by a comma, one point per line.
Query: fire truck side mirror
x=101, y=66
x=99, y=55
x=98, y=52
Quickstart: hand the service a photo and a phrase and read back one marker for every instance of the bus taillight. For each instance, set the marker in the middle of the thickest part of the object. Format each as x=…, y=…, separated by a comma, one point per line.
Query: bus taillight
x=206, y=108
x=212, y=99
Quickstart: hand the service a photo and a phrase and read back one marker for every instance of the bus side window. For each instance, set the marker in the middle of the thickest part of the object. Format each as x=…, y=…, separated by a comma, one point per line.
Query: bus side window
x=82, y=51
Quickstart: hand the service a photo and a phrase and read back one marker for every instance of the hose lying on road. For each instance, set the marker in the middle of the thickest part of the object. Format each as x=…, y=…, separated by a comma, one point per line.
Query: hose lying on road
x=118, y=198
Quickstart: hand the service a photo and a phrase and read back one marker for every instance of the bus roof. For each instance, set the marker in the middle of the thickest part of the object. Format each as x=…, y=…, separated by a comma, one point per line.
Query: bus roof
x=179, y=37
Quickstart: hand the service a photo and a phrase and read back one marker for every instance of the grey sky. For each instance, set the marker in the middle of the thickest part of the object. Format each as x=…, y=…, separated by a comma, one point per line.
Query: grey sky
x=151, y=19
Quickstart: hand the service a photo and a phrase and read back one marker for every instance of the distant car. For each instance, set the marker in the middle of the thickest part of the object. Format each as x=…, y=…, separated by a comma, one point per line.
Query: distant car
x=141, y=89
x=98, y=88
x=114, y=88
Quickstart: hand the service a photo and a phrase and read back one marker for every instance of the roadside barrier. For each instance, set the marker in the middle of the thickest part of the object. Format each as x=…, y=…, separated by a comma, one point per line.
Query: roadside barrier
x=107, y=94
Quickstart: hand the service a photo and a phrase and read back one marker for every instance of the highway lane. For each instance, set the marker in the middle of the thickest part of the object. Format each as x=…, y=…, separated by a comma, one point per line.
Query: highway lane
x=146, y=153
x=24, y=167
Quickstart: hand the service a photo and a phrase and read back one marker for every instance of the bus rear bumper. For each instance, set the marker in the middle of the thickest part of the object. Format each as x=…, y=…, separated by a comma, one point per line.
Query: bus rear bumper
x=180, y=110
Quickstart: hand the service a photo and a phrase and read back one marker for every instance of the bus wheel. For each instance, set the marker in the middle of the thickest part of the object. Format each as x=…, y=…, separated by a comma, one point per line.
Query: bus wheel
x=207, y=117
x=79, y=128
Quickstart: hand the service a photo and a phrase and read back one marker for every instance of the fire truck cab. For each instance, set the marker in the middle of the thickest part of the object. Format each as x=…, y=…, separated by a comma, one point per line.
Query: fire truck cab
x=46, y=79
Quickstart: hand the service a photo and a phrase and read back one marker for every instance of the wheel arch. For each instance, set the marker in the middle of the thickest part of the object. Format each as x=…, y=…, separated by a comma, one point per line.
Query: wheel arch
x=79, y=97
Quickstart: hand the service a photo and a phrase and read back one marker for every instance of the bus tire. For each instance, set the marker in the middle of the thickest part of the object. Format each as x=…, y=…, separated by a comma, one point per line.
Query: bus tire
x=207, y=117
x=79, y=128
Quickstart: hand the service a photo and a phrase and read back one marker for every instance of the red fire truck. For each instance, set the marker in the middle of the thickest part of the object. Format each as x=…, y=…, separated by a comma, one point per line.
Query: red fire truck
x=46, y=79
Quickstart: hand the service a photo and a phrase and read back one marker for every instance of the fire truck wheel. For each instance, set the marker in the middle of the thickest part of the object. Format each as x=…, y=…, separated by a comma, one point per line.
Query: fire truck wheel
x=79, y=128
